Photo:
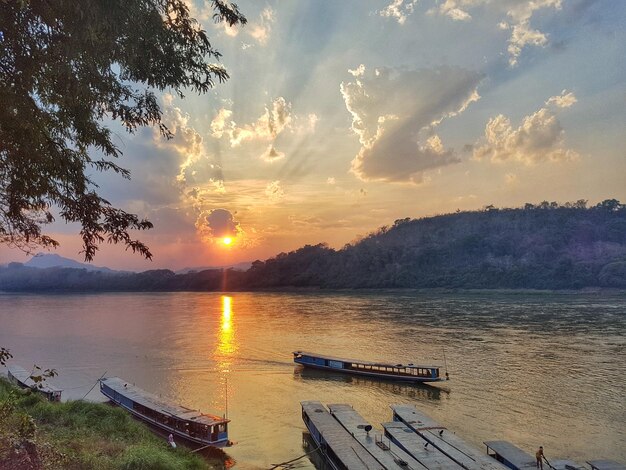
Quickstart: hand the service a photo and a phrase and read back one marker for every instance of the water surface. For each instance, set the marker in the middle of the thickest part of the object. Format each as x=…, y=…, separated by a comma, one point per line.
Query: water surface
x=535, y=369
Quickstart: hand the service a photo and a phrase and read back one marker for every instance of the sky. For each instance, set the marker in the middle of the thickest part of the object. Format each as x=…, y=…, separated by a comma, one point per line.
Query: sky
x=340, y=117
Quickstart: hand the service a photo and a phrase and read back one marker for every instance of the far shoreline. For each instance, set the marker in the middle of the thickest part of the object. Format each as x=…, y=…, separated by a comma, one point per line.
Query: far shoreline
x=370, y=290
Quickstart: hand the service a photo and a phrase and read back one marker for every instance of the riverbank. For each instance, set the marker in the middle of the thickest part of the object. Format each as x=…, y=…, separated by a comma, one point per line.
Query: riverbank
x=36, y=434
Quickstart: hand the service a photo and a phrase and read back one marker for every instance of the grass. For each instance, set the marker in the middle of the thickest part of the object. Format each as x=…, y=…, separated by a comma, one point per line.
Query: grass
x=36, y=434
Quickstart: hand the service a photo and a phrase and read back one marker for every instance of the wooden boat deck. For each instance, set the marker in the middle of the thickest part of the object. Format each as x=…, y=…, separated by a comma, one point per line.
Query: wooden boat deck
x=387, y=453
x=510, y=455
x=429, y=457
x=332, y=435
x=606, y=465
x=448, y=443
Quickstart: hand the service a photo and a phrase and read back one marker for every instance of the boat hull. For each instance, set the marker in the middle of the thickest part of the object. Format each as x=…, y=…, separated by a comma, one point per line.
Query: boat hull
x=162, y=428
x=315, y=437
x=383, y=376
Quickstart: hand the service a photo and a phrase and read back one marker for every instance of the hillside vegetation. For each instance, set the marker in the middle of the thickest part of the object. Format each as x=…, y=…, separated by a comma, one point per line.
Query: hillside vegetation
x=544, y=246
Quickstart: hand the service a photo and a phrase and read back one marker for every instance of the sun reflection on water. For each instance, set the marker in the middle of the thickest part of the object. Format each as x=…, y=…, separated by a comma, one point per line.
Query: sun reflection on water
x=226, y=345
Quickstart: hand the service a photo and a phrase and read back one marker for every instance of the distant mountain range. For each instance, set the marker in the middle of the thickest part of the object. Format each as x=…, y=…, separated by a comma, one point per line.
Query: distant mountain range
x=543, y=246
x=51, y=260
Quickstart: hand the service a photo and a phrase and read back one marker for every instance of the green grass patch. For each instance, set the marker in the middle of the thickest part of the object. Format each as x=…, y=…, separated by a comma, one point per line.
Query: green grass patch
x=35, y=433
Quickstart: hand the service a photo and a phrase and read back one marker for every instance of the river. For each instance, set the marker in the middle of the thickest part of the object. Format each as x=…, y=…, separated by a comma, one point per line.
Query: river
x=535, y=369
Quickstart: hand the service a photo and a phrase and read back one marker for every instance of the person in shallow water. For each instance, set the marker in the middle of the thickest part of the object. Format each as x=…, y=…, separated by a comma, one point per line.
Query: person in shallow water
x=539, y=456
x=170, y=440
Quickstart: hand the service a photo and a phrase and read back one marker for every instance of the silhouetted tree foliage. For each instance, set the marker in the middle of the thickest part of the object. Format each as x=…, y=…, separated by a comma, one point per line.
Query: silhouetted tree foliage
x=66, y=68
x=543, y=246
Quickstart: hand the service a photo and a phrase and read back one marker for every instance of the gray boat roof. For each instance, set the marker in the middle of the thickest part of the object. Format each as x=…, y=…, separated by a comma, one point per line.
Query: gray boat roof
x=606, y=465
x=429, y=457
x=149, y=400
x=345, y=447
x=369, y=363
x=565, y=464
x=23, y=376
x=391, y=457
x=512, y=453
x=448, y=442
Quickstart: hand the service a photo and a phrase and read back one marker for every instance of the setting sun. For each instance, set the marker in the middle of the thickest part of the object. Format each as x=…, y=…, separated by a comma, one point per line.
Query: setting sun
x=227, y=240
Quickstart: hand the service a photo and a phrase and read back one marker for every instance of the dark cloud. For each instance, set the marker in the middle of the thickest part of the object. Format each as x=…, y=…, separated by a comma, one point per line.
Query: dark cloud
x=219, y=223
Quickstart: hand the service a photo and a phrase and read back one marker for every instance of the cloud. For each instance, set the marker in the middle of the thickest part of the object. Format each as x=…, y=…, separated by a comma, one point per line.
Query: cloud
x=539, y=138
x=274, y=120
x=331, y=180
x=187, y=144
x=564, y=100
x=261, y=29
x=454, y=9
x=274, y=191
x=510, y=179
x=272, y=155
x=399, y=10
x=217, y=223
x=221, y=122
x=516, y=18
x=394, y=113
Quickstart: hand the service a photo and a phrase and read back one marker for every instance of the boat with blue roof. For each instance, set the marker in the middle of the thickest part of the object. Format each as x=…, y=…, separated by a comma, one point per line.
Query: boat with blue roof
x=410, y=372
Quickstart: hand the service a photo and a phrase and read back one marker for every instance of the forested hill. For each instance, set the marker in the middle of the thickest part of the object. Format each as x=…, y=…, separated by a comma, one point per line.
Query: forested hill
x=545, y=246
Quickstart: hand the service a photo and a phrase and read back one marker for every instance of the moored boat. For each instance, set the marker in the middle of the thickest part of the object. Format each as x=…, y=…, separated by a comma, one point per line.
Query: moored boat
x=191, y=425
x=22, y=378
x=339, y=448
x=399, y=372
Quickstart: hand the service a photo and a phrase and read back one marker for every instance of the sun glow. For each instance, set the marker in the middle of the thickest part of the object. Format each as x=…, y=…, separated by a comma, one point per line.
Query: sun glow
x=227, y=240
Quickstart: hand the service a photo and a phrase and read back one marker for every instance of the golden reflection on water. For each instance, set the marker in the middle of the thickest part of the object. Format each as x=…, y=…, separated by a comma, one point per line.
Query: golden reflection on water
x=226, y=345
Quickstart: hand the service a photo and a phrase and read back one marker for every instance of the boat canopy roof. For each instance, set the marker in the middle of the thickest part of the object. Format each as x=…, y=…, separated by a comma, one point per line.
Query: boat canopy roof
x=368, y=363
x=511, y=453
x=155, y=403
x=23, y=376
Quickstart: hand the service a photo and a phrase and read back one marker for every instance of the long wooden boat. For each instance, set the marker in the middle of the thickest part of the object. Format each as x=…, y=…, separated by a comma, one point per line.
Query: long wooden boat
x=431, y=433
x=21, y=377
x=191, y=425
x=399, y=372
x=340, y=449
